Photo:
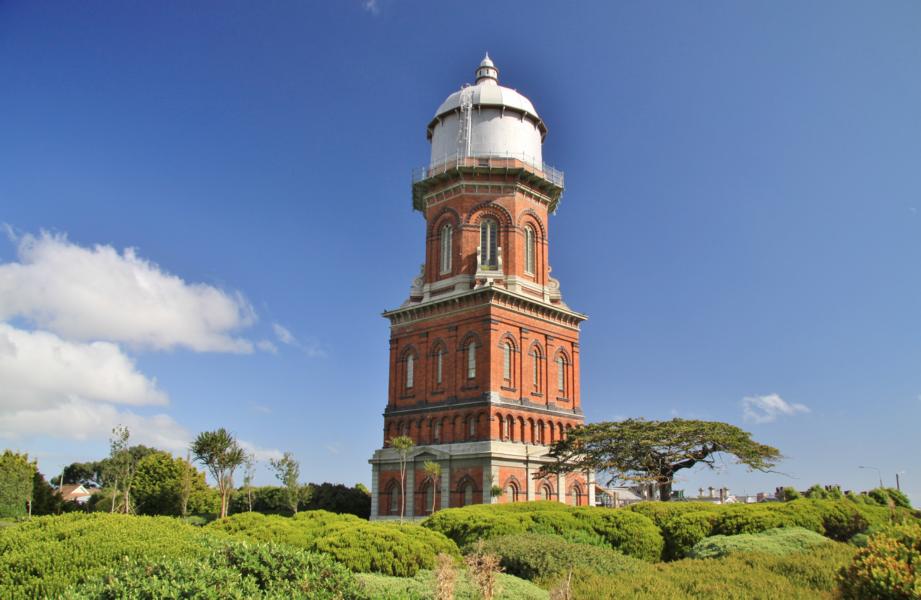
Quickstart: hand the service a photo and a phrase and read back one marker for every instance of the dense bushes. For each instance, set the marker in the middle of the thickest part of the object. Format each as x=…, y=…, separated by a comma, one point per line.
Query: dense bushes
x=420, y=587
x=44, y=556
x=782, y=541
x=360, y=545
x=545, y=558
x=888, y=567
x=232, y=570
x=629, y=532
x=734, y=577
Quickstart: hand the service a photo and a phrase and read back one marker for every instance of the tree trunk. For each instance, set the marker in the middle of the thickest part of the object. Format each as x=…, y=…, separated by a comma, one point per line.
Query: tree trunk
x=665, y=489
x=434, y=494
x=114, y=495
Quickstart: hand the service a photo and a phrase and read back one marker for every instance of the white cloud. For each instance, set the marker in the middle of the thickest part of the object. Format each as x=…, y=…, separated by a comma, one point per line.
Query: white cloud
x=97, y=293
x=766, y=409
x=284, y=336
x=267, y=346
x=39, y=370
x=372, y=6
x=261, y=454
x=79, y=419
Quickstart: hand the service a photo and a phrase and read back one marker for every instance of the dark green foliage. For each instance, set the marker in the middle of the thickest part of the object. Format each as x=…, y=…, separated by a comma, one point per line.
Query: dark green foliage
x=736, y=519
x=16, y=481
x=546, y=558
x=45, y=499
x=268, y=500
x=683, y=531
x=629, y=532
x=816, y=492
x=157, y=485
x=98, y=473
x=790, y=493
x=360, y=545
x=337, y=498
x=889, y=567
x=782, y=541
x=232, y=570
x=662, y=512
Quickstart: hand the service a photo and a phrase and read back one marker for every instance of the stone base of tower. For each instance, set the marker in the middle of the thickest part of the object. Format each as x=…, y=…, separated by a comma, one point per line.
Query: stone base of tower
x=470, y=474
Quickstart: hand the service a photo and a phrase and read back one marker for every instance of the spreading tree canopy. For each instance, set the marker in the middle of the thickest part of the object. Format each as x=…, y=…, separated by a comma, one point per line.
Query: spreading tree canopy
x=641, y=451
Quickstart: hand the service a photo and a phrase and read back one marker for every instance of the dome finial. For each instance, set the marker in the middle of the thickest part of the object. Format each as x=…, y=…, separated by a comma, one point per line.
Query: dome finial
x=487, y=72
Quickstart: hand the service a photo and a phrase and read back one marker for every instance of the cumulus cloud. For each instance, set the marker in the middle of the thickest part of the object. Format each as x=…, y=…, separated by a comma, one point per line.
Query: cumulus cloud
x=98, y=293
x=372, y=6
x=261, y=454
x=766, y=409
x=40, y=370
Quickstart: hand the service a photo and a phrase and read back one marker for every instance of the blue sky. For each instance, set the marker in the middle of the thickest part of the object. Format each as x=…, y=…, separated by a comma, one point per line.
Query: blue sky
x=742, y=217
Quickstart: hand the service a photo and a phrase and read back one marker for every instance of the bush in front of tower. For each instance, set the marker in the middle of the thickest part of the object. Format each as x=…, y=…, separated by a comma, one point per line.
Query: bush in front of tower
x=630, y=533
x=359, y=545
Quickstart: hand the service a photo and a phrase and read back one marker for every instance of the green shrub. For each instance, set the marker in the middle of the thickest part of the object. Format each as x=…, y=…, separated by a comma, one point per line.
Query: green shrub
x=360, y=545
x=662, y=512
x=629, y=532
x=734, y=577
x=883, y=497
x=683, y=531
x=790, y=493
x=889, y=567
x=736, y=519
x=817, y=492
x=46, y=555
x=546, y=558
x=232, y=570
x=420, y=587
x=781, y=541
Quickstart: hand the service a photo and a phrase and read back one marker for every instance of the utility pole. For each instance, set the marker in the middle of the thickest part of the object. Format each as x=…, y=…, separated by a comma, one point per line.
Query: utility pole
x=879, y=472
x=897, y=486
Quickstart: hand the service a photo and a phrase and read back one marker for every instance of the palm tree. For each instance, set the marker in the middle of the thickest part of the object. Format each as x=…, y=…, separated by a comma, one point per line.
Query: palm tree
x=403, y=444
x=433, y=470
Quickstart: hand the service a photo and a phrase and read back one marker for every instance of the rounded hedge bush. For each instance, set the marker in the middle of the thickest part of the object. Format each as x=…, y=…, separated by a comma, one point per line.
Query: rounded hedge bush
x=360, y=545
x=546, y=558
x=782, y=541
x=233, y=570
x=46, y=555
x=683, y=531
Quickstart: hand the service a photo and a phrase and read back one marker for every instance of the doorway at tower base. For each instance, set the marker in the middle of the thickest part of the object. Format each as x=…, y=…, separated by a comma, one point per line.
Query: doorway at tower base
x=482, y=472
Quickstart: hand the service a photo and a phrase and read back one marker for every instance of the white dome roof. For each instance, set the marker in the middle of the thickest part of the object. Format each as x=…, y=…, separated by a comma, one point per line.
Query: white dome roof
x=488, y=93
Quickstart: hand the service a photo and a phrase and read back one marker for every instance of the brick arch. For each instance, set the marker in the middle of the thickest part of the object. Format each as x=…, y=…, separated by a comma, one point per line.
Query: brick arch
x=508, y=337
x=545, y=484
x=511, y=480
x=445, y=215
x=577, y=494
x=530, y=217
x=470, y=335
x=438, y=343
x=492, y=209
x=463, y=484
x=391, y=487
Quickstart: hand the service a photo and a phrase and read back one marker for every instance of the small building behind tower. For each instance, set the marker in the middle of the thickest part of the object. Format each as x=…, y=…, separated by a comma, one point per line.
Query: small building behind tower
x=484, y=354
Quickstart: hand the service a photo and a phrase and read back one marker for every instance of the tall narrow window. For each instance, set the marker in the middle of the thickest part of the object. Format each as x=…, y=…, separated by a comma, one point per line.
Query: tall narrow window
x=507, y=361
x=467, y=494
x=436, y=431
x=471, y=360
x=410, y=370
x=561, y=373
x=545, y=492
x=535, y=368
x=471, y=428
x=439, y=365
x=446, y=249
x=489, y=239
x=394, y=499
x=529, y=250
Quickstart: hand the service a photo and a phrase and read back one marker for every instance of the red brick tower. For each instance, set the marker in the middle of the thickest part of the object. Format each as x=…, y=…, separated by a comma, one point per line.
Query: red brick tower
x=484, y=355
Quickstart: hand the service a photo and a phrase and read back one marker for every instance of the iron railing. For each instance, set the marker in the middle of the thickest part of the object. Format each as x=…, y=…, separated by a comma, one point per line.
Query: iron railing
x=490, y=161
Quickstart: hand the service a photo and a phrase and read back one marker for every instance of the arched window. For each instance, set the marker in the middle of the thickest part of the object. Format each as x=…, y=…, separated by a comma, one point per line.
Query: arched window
x=576, y=493
x=540, y=432
x=545, y=492
x=471, y=359
x=535, y=369
x=410, y=370
x=394, y=493
x=508, y=429
x=436, y=431
x=489, y=241
x=511, y=491
x=561, y=374
x=529, y=250
x=439, y=365
x=533, y=432
x=507, y=361
x=446, y=234
x=466, y=493
x=471, y=428
x=402, y=428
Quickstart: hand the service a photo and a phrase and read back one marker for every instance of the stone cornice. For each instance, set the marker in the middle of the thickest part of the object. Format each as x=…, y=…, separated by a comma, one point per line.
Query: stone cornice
x=523, y=177
x=438, y=307
x=422, y=407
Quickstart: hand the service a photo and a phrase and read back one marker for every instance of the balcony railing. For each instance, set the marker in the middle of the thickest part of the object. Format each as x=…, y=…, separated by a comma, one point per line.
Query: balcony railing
x=491, y=161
